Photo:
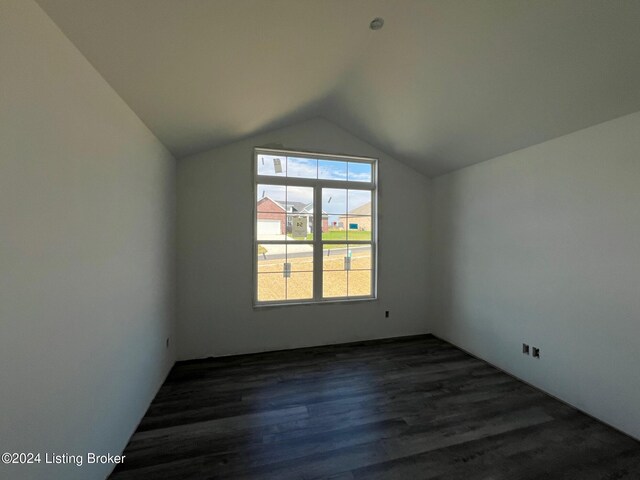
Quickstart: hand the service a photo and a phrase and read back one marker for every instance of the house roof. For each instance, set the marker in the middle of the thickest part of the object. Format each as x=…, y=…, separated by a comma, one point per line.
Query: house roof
x=298, y=207
x=292, y=206
x=443, y=85
x=361, y=210
x=267, y=197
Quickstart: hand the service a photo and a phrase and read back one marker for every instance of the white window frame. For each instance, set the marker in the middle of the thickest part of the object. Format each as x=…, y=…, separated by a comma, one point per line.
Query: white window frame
x=317, y=242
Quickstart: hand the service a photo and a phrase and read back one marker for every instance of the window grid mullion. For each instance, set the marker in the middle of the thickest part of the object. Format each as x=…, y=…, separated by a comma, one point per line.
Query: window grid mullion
x=345, y=241
x=317, y=244
x=312, y=182
x=281, y=242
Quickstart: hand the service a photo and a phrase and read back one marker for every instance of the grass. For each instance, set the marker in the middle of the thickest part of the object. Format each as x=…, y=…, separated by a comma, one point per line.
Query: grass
x=345, y=235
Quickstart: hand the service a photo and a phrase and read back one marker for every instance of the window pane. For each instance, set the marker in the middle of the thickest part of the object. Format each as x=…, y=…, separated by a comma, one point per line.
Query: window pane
x=334, y=207
x=334, y=233
x=334, y=284
x=272, y=254
x=359, y=202
x=334, y=202
x=359, y=172
x=300, y=286
x=269, y=198
x=302, y=167
x=360, y=257
x=274, y=165
x=271, y=287
x=333, y=257
x=271, y=258
x=359, y=227
x=270, y=226
x=332, y=170
x=359, y=283
x=299, y=200
x=300, y=257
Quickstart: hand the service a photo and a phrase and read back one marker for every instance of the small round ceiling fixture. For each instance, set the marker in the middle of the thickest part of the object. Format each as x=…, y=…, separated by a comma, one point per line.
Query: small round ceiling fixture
x=376, y=23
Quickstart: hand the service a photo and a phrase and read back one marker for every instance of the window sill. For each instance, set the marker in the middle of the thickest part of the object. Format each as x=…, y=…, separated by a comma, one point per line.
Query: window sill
x=260, y=306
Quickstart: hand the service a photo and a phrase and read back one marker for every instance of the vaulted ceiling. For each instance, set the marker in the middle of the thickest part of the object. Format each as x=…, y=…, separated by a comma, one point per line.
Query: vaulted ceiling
x=445, y=83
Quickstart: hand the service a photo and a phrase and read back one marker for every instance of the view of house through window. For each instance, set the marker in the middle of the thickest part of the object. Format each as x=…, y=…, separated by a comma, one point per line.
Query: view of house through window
x=315, y=227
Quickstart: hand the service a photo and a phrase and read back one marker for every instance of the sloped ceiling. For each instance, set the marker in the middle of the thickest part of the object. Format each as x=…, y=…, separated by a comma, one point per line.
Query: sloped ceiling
x=445, y=83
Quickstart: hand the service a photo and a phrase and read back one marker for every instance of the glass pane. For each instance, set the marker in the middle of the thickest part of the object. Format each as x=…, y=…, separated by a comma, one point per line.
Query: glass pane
x=271, y=287
x=334, y=233
x=300, y=257
x=302, y=167
x=334, y=201
x=359, y=172
x=299, y=200
x=274, y=165
x=333, y=257
x=334, y=284
x=271, y=258
x=332, y=170
x=359, y=202
x=359, y=283
x=270, y=198
x=359, y=227
x=300, y=286
x=270, y=226
x=360, y=257
x=334, y=207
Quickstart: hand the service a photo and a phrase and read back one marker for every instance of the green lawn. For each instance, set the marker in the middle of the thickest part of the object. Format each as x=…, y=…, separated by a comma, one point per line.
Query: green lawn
x=342, y=235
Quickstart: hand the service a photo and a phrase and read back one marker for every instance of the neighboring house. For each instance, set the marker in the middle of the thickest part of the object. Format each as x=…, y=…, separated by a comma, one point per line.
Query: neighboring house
x=362, y=223
x=272, y=221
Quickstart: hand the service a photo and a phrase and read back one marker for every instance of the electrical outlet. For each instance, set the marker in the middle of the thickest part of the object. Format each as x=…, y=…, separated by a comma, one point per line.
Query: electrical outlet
x=525, y=349
x=386, y=314
x=536, y=352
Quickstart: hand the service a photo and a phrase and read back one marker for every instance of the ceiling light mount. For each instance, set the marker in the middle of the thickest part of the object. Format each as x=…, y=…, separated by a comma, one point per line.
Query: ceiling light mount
x=376, y=23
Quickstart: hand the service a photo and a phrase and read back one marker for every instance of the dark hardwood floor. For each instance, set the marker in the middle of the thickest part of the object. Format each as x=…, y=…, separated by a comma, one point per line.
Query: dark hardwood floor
x=408, y=408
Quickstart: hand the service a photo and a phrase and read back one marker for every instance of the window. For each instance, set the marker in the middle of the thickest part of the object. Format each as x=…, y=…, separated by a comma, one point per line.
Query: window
x=315, y=227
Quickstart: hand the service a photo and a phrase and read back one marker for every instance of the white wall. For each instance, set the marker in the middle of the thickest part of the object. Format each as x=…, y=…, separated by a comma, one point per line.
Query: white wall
x=215, y=231
x=86, y=253
x=543, y=246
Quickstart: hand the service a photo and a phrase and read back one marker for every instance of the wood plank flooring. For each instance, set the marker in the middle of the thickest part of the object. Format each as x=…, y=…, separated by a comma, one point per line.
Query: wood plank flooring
x=407, y=408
